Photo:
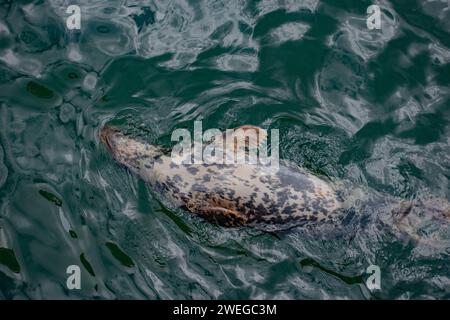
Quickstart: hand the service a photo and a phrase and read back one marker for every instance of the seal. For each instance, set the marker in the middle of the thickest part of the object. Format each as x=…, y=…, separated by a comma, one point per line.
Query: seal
x=229, y=195
x=254, y=195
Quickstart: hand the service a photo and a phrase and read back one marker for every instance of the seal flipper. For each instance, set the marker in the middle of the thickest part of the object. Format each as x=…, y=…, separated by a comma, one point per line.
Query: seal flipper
x=221, y=216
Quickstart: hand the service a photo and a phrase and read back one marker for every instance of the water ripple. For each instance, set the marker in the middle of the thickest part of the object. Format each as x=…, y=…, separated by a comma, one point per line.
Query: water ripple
x=367, y=109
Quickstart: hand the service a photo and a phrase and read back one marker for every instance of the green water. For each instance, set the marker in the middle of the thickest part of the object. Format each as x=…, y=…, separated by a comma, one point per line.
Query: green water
x=369, y=107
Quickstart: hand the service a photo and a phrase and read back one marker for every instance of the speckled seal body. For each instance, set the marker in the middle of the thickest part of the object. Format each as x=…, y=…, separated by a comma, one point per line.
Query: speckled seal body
x=227, y=194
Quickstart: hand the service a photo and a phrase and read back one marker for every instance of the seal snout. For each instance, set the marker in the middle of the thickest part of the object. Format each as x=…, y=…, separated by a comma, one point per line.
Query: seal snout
x=106, y=133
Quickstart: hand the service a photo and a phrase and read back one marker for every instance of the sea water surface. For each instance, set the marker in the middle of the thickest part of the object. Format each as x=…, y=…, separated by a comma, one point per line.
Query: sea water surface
x=368, y=107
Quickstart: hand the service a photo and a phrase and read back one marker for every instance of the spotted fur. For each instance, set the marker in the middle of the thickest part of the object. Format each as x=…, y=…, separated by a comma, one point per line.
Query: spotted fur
x=229, y=195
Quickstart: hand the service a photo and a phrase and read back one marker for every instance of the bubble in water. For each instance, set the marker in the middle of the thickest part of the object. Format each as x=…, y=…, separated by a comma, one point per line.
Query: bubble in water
x=160, y=15
x=66, y=112
x=90, y=81
x=74, y=53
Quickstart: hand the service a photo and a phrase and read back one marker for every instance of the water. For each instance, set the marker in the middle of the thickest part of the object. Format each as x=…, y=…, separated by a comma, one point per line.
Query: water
x=369, y=107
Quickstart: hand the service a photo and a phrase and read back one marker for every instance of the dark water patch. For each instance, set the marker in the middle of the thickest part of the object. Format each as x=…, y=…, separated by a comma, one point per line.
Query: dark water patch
x=121, y=256
x=51, y=197
x=145, y=18
x=87, y=265
x=8, y=259
x=39, y=90
x=177, y=220
x=347, y=279
x=73, y=234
